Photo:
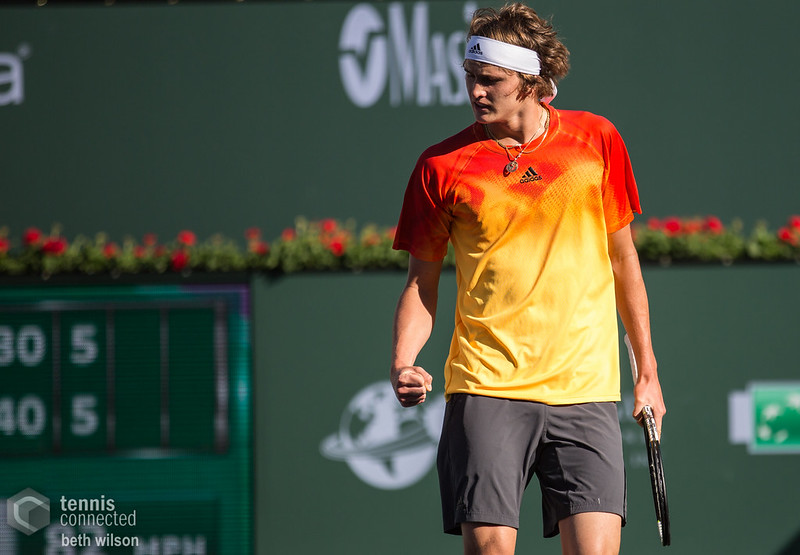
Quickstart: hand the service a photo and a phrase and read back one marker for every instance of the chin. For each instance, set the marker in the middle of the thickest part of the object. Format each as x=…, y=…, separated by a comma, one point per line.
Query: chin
x=482, y=118
x=482, y=115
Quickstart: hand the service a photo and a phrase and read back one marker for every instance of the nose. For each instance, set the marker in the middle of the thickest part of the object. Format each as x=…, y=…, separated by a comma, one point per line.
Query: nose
x=475, y=90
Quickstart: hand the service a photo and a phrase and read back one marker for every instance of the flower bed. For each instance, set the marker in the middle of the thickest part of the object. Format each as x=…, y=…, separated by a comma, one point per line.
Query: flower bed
x=329, y=244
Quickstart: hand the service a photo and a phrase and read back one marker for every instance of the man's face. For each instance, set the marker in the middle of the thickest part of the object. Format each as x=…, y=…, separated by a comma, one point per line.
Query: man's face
x=493, y=92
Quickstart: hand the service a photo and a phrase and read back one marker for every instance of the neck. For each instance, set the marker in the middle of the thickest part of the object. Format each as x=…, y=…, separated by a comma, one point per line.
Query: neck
x=521, y=129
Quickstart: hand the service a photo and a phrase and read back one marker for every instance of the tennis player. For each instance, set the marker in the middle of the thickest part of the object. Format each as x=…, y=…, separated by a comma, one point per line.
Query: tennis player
x=537, y=203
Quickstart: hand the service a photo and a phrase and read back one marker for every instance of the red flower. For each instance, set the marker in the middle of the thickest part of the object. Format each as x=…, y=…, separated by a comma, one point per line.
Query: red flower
x=336, y=246
x=150, y=239
x=110, y=250
x=654, y=224
x=31, y=237
x=329, y=225
x=252, y=234
x=785, y=234
x=54, y=245
x=672, y=226
x=794, y=222
x=4, y=245
x=139, y=251
x=180, y=259
x=391, y=232
x=714, y=225
x=288, y=234
x=260, y=248
x=187, y=238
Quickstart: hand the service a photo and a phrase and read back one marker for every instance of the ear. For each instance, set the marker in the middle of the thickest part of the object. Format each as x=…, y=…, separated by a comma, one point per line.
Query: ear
x=527, y=91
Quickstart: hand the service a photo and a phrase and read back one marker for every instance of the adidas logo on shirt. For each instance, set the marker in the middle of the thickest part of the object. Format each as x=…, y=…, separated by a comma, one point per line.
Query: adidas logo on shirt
x=530, y=175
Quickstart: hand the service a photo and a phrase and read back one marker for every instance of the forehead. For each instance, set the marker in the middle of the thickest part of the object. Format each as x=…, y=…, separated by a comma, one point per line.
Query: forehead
x=488, y=70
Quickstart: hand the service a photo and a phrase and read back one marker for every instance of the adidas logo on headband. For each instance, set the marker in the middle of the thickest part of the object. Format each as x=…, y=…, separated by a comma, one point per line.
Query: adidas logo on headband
x=475, y=49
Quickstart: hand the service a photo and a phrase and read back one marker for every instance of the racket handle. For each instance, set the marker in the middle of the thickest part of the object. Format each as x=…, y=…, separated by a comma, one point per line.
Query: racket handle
x=634, y=367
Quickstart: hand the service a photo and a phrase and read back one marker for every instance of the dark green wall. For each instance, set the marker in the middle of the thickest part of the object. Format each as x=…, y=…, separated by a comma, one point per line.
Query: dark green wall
x=322, y=339
x=220, y=116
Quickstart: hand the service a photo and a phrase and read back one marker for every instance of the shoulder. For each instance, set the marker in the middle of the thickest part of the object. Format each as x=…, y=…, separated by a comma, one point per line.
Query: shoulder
x=591, y=130
x=586, y=122
x=452, y=147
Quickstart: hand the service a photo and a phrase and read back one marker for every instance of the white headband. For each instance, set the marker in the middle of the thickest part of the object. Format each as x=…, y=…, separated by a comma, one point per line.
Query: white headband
x=509, y=56
x=502, y=54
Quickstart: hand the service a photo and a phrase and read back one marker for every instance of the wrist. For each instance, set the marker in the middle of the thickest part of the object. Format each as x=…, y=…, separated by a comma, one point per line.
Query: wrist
x=398, y=365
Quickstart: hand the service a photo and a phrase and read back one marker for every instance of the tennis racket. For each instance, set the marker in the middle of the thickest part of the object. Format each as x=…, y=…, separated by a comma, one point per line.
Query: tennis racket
x=653, y=443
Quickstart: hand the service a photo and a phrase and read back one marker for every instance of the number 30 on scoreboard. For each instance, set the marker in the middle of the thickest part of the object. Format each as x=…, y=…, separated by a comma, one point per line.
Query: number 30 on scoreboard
x=28, y=347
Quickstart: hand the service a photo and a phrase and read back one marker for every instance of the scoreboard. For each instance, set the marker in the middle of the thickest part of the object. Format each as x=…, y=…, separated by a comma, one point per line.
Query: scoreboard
x=134, y=395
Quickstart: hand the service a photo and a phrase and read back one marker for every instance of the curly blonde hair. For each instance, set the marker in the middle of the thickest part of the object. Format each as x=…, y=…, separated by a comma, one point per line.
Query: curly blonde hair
x=517, y=24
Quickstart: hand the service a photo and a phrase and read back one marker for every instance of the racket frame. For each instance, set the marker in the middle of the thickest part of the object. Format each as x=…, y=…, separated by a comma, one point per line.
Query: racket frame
x=656, y=465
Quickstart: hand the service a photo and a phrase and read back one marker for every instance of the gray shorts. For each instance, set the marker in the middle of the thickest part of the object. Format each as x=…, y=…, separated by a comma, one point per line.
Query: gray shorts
x=491, y=448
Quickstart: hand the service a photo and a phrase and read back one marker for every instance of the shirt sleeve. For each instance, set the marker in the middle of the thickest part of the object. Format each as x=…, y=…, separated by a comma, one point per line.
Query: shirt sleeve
x=620, y=193
x=424, y=226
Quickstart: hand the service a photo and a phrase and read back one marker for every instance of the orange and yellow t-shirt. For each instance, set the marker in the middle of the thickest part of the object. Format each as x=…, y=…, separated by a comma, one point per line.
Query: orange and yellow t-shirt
x=535, y=310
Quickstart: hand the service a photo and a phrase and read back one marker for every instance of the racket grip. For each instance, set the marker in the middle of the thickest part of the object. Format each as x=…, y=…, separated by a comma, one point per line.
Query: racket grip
x=632, y=357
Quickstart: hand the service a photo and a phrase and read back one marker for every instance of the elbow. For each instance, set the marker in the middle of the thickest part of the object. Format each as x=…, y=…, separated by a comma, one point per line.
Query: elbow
x=624, y=259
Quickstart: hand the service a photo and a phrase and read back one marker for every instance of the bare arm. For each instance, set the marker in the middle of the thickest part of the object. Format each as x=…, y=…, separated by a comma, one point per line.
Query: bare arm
x=634, y=311
x=413, y=323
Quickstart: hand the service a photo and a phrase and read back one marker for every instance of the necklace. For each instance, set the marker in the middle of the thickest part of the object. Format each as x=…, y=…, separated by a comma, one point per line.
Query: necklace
x=512, y=166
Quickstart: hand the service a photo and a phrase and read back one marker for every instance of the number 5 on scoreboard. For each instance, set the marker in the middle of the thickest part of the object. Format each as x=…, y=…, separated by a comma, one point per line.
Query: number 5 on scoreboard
x=84, y=344
x=84, y=415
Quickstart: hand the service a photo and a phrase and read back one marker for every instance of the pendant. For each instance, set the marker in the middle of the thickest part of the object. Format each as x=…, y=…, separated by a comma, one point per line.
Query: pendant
x=511, y=167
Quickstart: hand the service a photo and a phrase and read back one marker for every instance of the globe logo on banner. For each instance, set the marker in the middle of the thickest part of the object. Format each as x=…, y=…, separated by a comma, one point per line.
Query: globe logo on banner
x=387, y=446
